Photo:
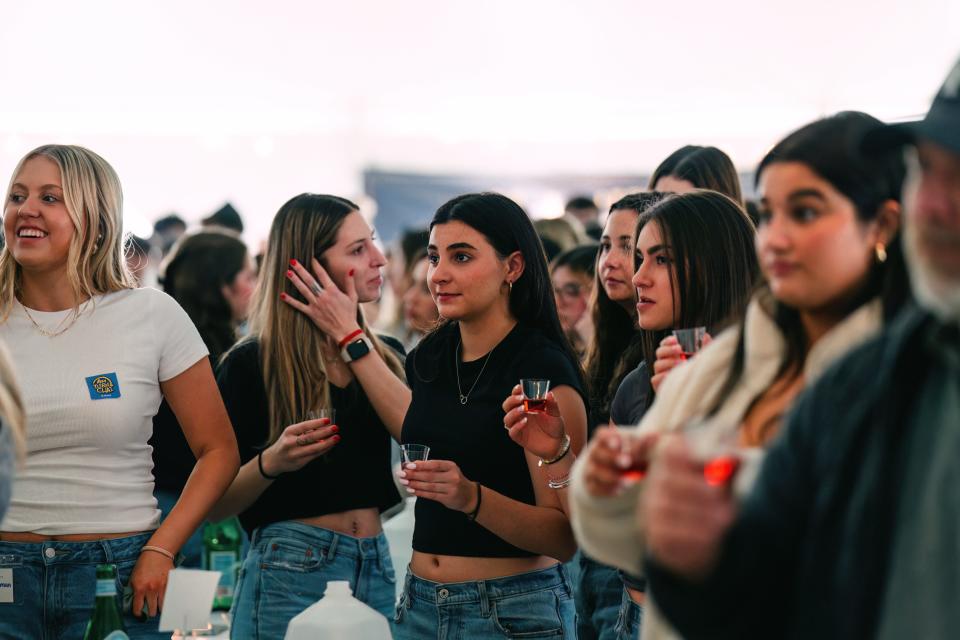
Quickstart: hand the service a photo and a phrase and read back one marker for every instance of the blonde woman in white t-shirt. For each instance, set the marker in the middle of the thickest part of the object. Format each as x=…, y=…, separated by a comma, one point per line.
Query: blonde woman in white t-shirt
x=94, y=356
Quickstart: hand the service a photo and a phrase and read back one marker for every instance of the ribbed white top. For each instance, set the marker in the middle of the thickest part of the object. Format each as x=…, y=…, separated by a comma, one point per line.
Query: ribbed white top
x=90, y=395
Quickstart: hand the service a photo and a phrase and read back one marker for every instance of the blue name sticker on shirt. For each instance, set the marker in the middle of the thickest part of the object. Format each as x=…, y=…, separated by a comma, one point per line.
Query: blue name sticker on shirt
x=103, y=386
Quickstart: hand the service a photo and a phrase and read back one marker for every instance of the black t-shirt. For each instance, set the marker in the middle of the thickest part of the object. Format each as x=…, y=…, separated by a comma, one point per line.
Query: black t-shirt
x=472, y=435
x=630, y=402
x=355, y=474
x=173, y=460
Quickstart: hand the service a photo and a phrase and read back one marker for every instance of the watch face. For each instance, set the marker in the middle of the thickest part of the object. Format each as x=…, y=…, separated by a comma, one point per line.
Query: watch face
x=357, y=349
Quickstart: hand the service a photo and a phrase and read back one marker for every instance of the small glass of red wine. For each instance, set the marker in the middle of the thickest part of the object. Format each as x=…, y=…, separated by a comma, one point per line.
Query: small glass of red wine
x=534, y=394
x=690, y=340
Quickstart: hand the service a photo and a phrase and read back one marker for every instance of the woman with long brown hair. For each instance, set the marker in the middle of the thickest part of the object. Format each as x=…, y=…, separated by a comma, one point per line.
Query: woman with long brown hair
x=311, y=489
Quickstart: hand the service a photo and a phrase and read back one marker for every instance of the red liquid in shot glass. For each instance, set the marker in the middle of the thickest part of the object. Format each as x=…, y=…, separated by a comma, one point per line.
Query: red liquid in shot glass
x=534, y=406
x=637, y=472
x=719, y=471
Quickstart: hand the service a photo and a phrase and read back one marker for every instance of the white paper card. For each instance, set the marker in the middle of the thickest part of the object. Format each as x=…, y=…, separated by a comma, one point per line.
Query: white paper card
x=189, y=599
x=6, y=585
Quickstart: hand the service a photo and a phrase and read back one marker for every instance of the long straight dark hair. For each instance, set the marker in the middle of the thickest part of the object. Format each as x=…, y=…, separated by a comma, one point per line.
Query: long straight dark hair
x=712, y=255
x=507, y=228
x=831, y=148
x=616, y=348
x=704, y=168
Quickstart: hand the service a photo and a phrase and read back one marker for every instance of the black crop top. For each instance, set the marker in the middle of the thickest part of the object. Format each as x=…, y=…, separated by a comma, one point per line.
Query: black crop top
x=472, y=435
x=355, y=474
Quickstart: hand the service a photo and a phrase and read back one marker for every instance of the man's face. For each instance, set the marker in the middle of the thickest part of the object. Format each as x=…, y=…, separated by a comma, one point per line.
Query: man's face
x=932, y=230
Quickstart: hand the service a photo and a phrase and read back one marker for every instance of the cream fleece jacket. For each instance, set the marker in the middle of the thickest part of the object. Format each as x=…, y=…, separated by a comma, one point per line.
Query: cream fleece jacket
x=608, y=529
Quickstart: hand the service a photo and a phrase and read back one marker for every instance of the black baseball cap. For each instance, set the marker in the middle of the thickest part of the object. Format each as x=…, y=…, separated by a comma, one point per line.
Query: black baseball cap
x=941, y=125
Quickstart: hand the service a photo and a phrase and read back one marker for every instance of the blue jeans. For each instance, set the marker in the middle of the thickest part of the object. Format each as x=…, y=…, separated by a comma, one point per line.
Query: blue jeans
x=287, y=570
x=537, y=604
x=629, y=620
x=599, y=595
x=54, y=582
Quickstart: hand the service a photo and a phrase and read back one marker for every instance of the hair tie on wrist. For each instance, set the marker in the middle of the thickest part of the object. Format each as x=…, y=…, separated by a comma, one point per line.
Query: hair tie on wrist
x=472, y=516
x=350, y=336
x=260, y=466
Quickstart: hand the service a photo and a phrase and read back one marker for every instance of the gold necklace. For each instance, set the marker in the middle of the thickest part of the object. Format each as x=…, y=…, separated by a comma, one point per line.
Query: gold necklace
x=56, y=331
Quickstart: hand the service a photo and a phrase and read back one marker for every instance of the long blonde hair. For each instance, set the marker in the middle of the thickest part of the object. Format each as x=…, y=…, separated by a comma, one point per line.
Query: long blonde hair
x=295, y=377
x=11, y=403
x=94, y=201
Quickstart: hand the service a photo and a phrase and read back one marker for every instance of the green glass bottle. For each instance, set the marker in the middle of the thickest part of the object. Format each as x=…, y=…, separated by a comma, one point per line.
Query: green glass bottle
x=106, y=623
x=221, y=552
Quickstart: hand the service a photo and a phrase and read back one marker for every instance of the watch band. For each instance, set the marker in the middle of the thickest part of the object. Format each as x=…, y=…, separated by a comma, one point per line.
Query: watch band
x=356, y=349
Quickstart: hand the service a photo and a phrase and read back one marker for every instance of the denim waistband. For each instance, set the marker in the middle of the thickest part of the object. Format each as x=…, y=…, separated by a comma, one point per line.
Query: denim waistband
x=54, y=552
x=484, y=591
x=336, y=543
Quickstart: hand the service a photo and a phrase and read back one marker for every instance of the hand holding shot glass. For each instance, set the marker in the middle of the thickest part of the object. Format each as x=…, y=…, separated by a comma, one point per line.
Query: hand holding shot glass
x=532, y=418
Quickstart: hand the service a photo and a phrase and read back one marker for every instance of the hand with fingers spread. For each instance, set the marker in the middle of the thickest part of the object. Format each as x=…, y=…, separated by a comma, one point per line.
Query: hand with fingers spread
x=333, y=311
x=669, y=355
x=610, y=455
x=539, y=432
x=149, y=583
x=684, y=517
x=299, y=444
x=440, y=480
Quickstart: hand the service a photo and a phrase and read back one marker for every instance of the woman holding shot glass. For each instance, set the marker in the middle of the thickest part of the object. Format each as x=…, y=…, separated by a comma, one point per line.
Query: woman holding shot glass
x=489, y=530
x=313, y=485
x=829, y=251
x=694, y=265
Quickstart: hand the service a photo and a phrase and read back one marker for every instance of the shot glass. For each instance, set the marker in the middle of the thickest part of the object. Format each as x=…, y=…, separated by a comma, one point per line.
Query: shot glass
x=691, y=340
x=715, y=445
x=637, y=469
x=319, y=414
x=414, y=452
x=534, y=394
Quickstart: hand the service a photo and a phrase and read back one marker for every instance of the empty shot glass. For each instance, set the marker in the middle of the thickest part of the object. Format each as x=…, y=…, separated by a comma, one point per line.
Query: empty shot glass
x=414, y=452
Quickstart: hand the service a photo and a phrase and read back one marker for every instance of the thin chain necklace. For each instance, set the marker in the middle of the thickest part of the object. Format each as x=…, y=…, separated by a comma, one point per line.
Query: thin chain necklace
x=464, y=397
x=56, y=331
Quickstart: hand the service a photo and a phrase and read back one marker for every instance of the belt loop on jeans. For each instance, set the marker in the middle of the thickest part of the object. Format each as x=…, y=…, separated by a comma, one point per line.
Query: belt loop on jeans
x=332, y=549
x=484, y=600
x=107, y=551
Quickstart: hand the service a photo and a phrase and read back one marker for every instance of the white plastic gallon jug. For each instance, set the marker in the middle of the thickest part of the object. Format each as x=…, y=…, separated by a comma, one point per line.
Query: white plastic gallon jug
x=338, y=616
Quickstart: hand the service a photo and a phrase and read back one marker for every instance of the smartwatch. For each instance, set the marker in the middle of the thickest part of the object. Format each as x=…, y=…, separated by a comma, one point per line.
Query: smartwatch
x=356, y=349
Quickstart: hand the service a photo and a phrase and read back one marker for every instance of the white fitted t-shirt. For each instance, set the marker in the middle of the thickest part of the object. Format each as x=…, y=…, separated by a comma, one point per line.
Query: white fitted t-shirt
x=90, y=395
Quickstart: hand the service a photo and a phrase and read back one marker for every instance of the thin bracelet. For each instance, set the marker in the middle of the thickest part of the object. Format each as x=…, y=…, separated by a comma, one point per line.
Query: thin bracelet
x=260, y=465
x=559, y=483
x=353, y=334
x=564, y=449
x=472, y=516
x=159, y=550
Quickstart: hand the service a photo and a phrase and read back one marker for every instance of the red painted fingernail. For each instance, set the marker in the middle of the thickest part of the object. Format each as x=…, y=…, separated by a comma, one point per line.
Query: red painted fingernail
x=293, y=262
x=351, y=272
x=335, y=429
x=289, y=274
x=335, y=438
x=283, y=296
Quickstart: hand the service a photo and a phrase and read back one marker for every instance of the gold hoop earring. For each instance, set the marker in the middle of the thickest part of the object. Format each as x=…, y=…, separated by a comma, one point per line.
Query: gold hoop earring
x=881, y=252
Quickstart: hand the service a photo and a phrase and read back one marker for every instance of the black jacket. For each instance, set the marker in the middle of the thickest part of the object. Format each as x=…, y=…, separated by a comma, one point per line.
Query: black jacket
x=808, y=555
